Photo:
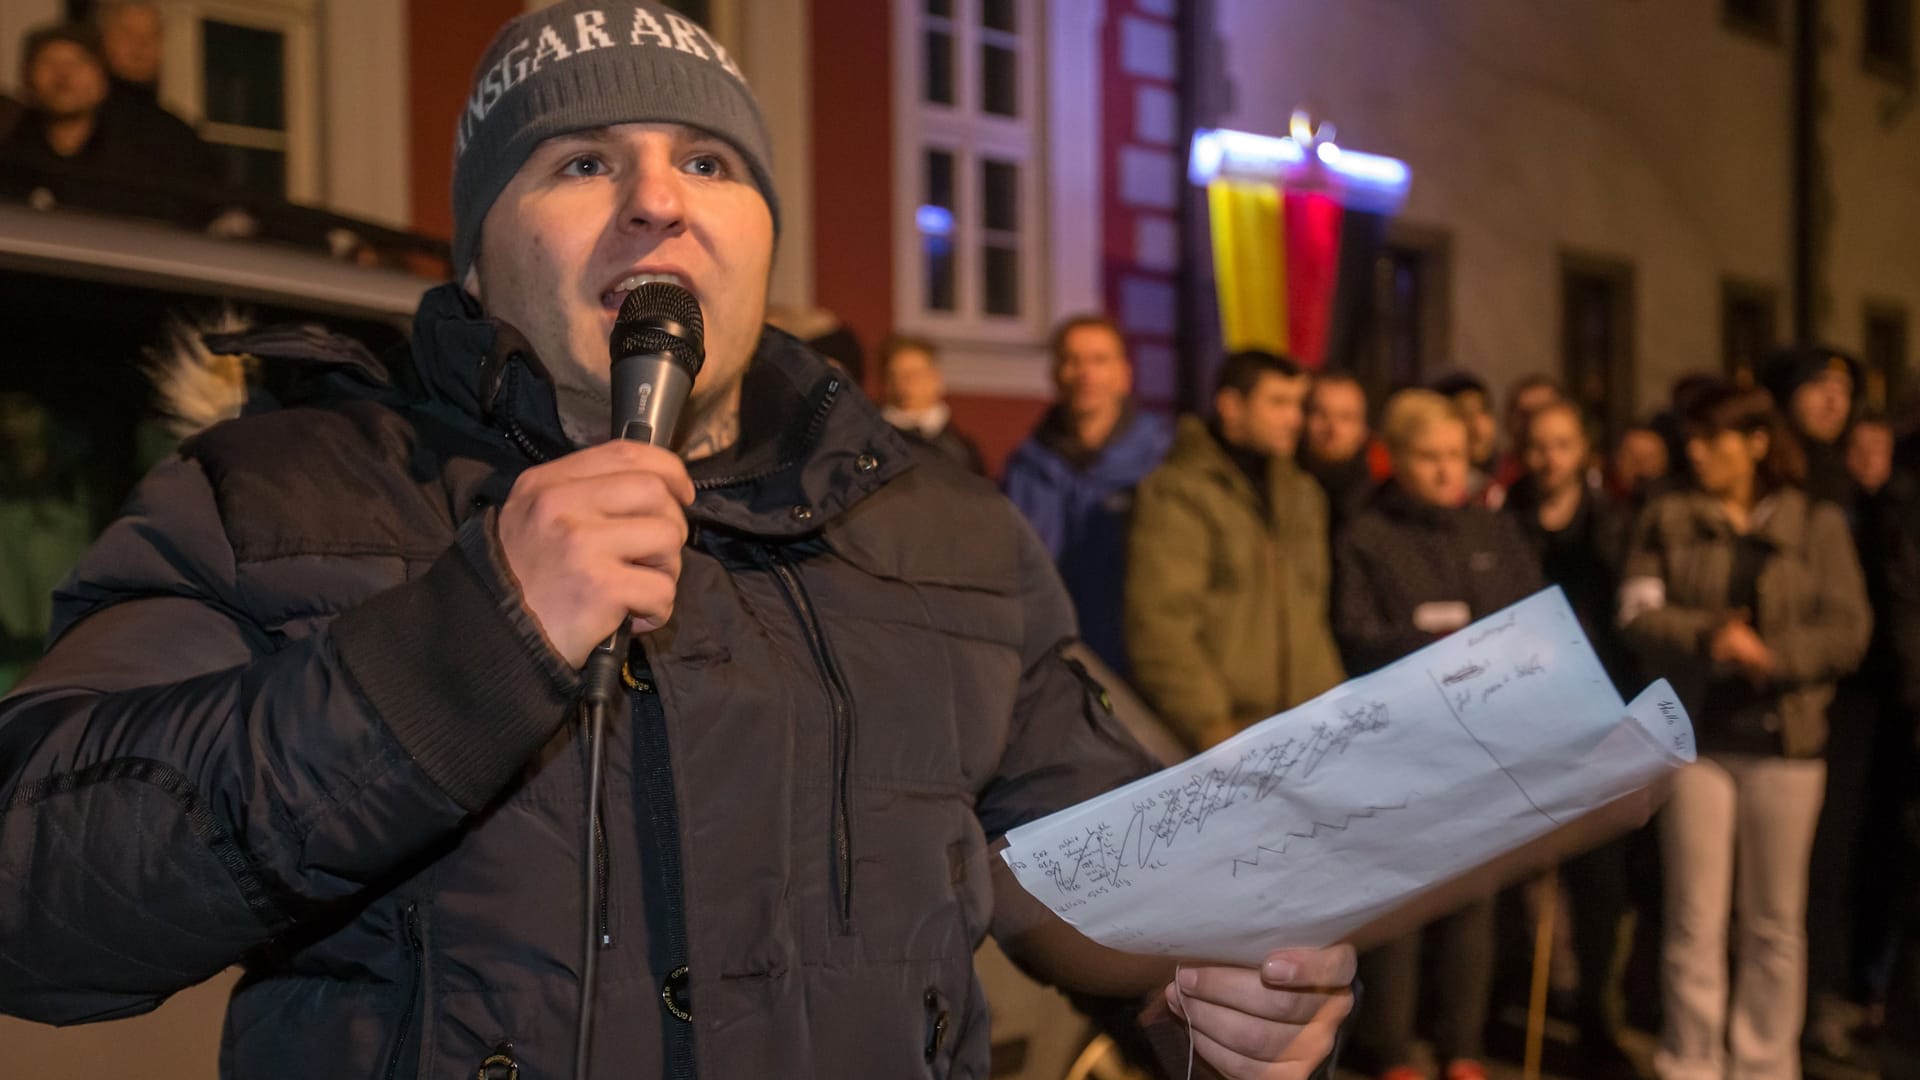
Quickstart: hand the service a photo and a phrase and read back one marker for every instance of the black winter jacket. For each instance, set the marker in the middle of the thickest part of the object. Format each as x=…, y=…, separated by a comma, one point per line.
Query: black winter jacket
x=1401, y=553
x=1584, y=558
x=295, y=717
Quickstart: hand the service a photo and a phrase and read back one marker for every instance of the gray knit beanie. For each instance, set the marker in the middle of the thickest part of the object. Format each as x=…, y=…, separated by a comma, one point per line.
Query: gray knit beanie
x=583, y=64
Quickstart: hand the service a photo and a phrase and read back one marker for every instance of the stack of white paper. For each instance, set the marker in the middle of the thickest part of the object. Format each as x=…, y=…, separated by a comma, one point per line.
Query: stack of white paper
x=1320, y=820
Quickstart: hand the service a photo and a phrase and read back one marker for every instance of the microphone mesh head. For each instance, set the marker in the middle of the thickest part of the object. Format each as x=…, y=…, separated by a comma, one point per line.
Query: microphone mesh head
x=661, y=317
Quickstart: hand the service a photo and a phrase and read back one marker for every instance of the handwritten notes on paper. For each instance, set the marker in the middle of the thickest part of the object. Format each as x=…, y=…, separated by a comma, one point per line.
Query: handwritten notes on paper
x=1316, y=821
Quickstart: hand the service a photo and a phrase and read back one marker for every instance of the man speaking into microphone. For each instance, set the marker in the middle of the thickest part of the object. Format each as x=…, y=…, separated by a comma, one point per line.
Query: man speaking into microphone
x=313, y=702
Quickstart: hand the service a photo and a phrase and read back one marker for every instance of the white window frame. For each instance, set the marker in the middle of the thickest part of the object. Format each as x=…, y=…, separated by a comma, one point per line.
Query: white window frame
x=297, y=21
x=920, y=126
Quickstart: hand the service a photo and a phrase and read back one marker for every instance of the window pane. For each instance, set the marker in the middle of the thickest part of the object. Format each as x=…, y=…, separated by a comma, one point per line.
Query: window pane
x=1889, y=32
x=244, y=75
x=998, y=15
x=1595, y=338
x=939, y=88
x=1000, y=195
x=935, y=222
x=1885, y=358
x=1746, y=332
x=940, y=178
x=1759, y=16
x=937, y=252
x=261, y=171
x=1401, y=284
x=999, y=81
x=1000, y=283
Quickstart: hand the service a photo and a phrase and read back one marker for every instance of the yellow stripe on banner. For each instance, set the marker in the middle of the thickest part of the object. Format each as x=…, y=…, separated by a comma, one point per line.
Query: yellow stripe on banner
x=1249, y=265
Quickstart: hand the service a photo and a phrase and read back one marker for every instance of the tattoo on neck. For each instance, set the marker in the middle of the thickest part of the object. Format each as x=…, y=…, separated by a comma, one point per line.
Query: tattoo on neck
x=712, y=434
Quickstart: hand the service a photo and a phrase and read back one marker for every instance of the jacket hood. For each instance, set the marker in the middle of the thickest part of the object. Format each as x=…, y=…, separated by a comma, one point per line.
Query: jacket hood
x=206, y=372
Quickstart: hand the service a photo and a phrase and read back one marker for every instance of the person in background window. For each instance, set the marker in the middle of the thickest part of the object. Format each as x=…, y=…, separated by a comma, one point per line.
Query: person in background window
x=915, y=397
x=130, y=42
x=1747, y=595
x=1470, y=398
x=1416, y=565
x=69, y=150
x=1580, y=536
x=1227, y=564
x=65, y=83
x=44, y=528
x=1335, y=451
x=1074, y=476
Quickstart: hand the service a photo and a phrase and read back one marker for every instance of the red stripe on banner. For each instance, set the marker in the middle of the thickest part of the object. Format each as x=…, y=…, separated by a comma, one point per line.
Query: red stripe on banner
x=1311, y=227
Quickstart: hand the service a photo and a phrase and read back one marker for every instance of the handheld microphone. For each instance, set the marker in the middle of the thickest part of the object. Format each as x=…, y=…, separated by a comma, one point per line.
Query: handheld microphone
x=658, y=344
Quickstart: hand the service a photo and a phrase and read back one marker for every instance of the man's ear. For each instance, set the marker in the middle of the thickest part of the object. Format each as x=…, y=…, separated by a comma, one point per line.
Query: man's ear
x=1228, y=407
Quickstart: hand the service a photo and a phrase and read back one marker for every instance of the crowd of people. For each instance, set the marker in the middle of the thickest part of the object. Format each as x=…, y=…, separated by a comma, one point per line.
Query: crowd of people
x=1759, y=546
x=88, y=130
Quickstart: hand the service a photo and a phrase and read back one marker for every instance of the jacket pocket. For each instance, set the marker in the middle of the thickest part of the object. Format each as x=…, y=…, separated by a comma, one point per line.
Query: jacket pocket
x=410, y=1037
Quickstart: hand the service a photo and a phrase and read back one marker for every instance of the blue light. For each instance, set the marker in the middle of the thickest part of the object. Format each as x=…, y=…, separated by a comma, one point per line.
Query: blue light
x=934, y=220
x=1363, y=181
x=1372, y=168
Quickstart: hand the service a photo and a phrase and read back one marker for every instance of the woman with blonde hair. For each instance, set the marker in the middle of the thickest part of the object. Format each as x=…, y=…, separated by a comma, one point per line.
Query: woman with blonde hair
x=1417, y=564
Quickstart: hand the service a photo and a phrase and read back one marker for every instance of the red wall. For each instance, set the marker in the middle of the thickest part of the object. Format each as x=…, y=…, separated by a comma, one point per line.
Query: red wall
x=444, y=41
x=850, y=61
x=998, y=424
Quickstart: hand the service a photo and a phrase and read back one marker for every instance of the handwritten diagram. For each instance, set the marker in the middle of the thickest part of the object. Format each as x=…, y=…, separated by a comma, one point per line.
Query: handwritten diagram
x=1314, y=822
x=1104, y=858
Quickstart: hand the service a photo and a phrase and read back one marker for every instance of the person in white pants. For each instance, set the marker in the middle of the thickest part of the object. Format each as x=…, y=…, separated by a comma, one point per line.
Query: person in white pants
x=1748, y=596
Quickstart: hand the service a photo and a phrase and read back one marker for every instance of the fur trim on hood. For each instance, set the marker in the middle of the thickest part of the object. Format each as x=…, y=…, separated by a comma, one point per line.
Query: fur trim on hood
x=195, y=387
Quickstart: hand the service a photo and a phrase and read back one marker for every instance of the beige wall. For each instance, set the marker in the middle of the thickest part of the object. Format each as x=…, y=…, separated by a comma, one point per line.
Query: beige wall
x=1873, y=143
x=178, y=1041
x=1644, y=132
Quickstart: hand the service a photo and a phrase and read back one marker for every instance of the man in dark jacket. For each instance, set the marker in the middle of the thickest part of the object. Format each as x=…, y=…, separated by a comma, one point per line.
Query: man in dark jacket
x=1074, y=476
x=1580, y=537
x=70, y=149
x=131, y=40
x=1334, y=450
x=307, y=709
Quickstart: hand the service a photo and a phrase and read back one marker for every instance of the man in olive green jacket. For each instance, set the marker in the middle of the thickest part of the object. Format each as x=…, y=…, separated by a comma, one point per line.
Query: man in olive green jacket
x=1227, y=568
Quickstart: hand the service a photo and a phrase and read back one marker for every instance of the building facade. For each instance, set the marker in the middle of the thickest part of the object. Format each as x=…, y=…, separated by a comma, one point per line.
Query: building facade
x=1603, y=189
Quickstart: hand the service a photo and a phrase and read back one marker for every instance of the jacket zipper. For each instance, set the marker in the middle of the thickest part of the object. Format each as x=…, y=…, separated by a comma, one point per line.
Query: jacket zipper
x=508, y=424
x=807, y=440
x=842, y=750
x=602, y=859
x=416, y=955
